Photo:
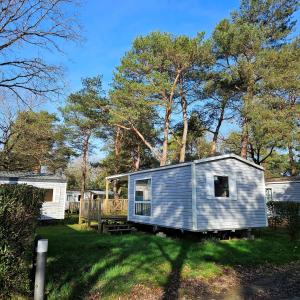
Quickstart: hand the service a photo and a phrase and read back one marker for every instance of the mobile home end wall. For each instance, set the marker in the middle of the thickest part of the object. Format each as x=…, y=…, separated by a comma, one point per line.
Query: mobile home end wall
x=50, y=210
x=245, y=207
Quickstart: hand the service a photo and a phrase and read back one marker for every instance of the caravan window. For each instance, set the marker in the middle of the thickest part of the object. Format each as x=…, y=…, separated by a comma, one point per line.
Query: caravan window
x=269, y=194
x=221, y=186
x=142, y=197
x=48, y=196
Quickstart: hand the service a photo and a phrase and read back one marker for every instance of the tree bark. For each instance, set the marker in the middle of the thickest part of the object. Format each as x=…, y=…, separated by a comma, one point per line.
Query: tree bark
x=138, y=158
x=292, y=163
x=248, y=99
x=116, y=189
x=168, y=112
x=155, y=153
x=245, y=140
x=117, y=148
x=185, y=122
x=85, y=150
x=164, y=155
x=217, y=130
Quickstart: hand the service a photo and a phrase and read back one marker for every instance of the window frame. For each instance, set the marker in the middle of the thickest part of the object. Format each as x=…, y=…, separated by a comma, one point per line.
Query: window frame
x=268, y=188
x=229, y=183
x=210, y=186
x=47, y=190
x=148, y=201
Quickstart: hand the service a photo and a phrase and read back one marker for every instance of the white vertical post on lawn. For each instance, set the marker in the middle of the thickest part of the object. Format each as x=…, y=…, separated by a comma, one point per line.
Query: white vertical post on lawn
x=40, y=270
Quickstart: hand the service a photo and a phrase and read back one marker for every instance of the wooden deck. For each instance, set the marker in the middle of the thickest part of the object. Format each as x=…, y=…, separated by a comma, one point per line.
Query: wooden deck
x=104, y=211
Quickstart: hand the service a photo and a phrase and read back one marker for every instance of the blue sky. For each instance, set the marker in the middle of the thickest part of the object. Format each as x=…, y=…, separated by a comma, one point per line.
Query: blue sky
x=109, y=27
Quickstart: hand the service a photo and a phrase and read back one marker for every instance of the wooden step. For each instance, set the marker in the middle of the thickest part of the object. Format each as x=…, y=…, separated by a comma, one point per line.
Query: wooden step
x=119, y=230
x=111, y=228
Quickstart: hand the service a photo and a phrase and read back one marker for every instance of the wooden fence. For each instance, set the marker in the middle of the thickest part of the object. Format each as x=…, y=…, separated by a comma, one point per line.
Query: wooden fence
x=94, y=209
x=73, y=207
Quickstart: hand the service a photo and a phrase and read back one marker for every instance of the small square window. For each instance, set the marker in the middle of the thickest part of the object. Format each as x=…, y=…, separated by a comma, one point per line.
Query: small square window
x=48, y=197
x=221, y=186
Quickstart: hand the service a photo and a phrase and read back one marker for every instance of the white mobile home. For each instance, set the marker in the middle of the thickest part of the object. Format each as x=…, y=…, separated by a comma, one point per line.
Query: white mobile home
x=55, y=186
x=219, y=193
x=283, y=189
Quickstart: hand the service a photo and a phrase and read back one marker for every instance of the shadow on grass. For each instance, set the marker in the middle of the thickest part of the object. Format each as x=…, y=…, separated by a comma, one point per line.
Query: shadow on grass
x=84, y=263
x=171, y=289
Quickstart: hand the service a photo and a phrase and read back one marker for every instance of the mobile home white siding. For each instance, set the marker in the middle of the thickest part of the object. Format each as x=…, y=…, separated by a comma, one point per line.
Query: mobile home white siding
x=176, y=204
x=50, y=210
x=245, y=206
x=285, y=191
x=171, y=204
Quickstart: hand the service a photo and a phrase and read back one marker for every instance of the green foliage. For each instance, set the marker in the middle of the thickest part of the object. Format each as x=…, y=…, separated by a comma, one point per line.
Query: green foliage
x=85, y=113
x=35, y=139
x=148, y=79
x=286, y=213
x=273, y=16
x=276, y=165
x=19, y=211
x=261, y=73
x=197, y=146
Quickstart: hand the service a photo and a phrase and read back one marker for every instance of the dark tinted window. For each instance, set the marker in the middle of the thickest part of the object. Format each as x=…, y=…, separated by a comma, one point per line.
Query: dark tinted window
x=221, y=186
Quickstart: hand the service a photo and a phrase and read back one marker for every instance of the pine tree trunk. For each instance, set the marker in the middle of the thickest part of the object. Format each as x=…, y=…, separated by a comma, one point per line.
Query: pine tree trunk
x=116, y=189
x=213, y=147
x=245, y=139
x=248, y=99
x=292, y=163
x=117, y=148
x=164, y=155
x=138, y=158
x=185, y=123
x=85, y=151
x=214, y=142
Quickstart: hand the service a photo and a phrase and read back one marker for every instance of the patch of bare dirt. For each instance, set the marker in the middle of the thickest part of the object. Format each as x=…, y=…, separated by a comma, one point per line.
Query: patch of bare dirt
x=266, y=282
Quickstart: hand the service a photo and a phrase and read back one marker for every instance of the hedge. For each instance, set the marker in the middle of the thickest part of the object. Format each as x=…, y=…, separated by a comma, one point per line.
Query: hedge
x=19, y=211
x=285, y=213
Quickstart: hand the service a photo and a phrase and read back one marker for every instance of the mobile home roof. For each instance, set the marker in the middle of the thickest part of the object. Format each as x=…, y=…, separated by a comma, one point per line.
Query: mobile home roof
x=199, y=161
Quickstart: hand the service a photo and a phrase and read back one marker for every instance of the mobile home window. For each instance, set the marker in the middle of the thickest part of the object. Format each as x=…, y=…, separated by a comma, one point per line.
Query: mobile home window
x=48, y=195
x=142, y=197
x=221, y=186
x=269, y=195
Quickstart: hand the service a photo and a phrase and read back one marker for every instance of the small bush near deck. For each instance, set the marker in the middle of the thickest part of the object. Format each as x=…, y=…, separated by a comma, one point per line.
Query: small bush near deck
x=285, y=213
x=19, y=211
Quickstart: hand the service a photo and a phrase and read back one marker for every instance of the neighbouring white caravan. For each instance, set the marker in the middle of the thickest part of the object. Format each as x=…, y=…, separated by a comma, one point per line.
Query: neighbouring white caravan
x=283, y=189
x=55, y=186
x=224, y=192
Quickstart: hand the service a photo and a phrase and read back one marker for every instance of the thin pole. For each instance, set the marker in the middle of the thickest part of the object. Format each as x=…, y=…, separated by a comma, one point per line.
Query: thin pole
x=106, y=196
x=40, y=271
x=89, y=209
x=99, y=215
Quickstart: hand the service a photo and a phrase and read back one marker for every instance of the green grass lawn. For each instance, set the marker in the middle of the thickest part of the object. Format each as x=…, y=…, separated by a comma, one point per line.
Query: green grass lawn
x=83, y=262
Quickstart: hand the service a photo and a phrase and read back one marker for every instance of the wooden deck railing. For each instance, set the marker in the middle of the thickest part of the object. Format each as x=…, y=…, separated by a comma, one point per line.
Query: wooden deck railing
x=94, y=209
x=73, y=206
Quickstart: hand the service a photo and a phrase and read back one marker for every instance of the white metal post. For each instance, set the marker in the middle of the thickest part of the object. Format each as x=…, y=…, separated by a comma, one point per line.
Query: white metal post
x=40, y=271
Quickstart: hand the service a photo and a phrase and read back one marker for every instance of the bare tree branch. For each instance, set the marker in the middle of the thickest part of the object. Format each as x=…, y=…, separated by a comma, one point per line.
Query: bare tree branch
x=28, y=25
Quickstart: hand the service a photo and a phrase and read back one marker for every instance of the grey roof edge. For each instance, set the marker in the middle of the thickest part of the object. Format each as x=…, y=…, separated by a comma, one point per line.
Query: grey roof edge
x=283, y=179
x=204, y=160
x=10, y=176
x=230, y=155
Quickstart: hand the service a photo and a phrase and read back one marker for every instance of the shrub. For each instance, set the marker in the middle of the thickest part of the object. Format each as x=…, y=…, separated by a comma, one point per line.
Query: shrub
x=286, y=213
x=19, y=211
